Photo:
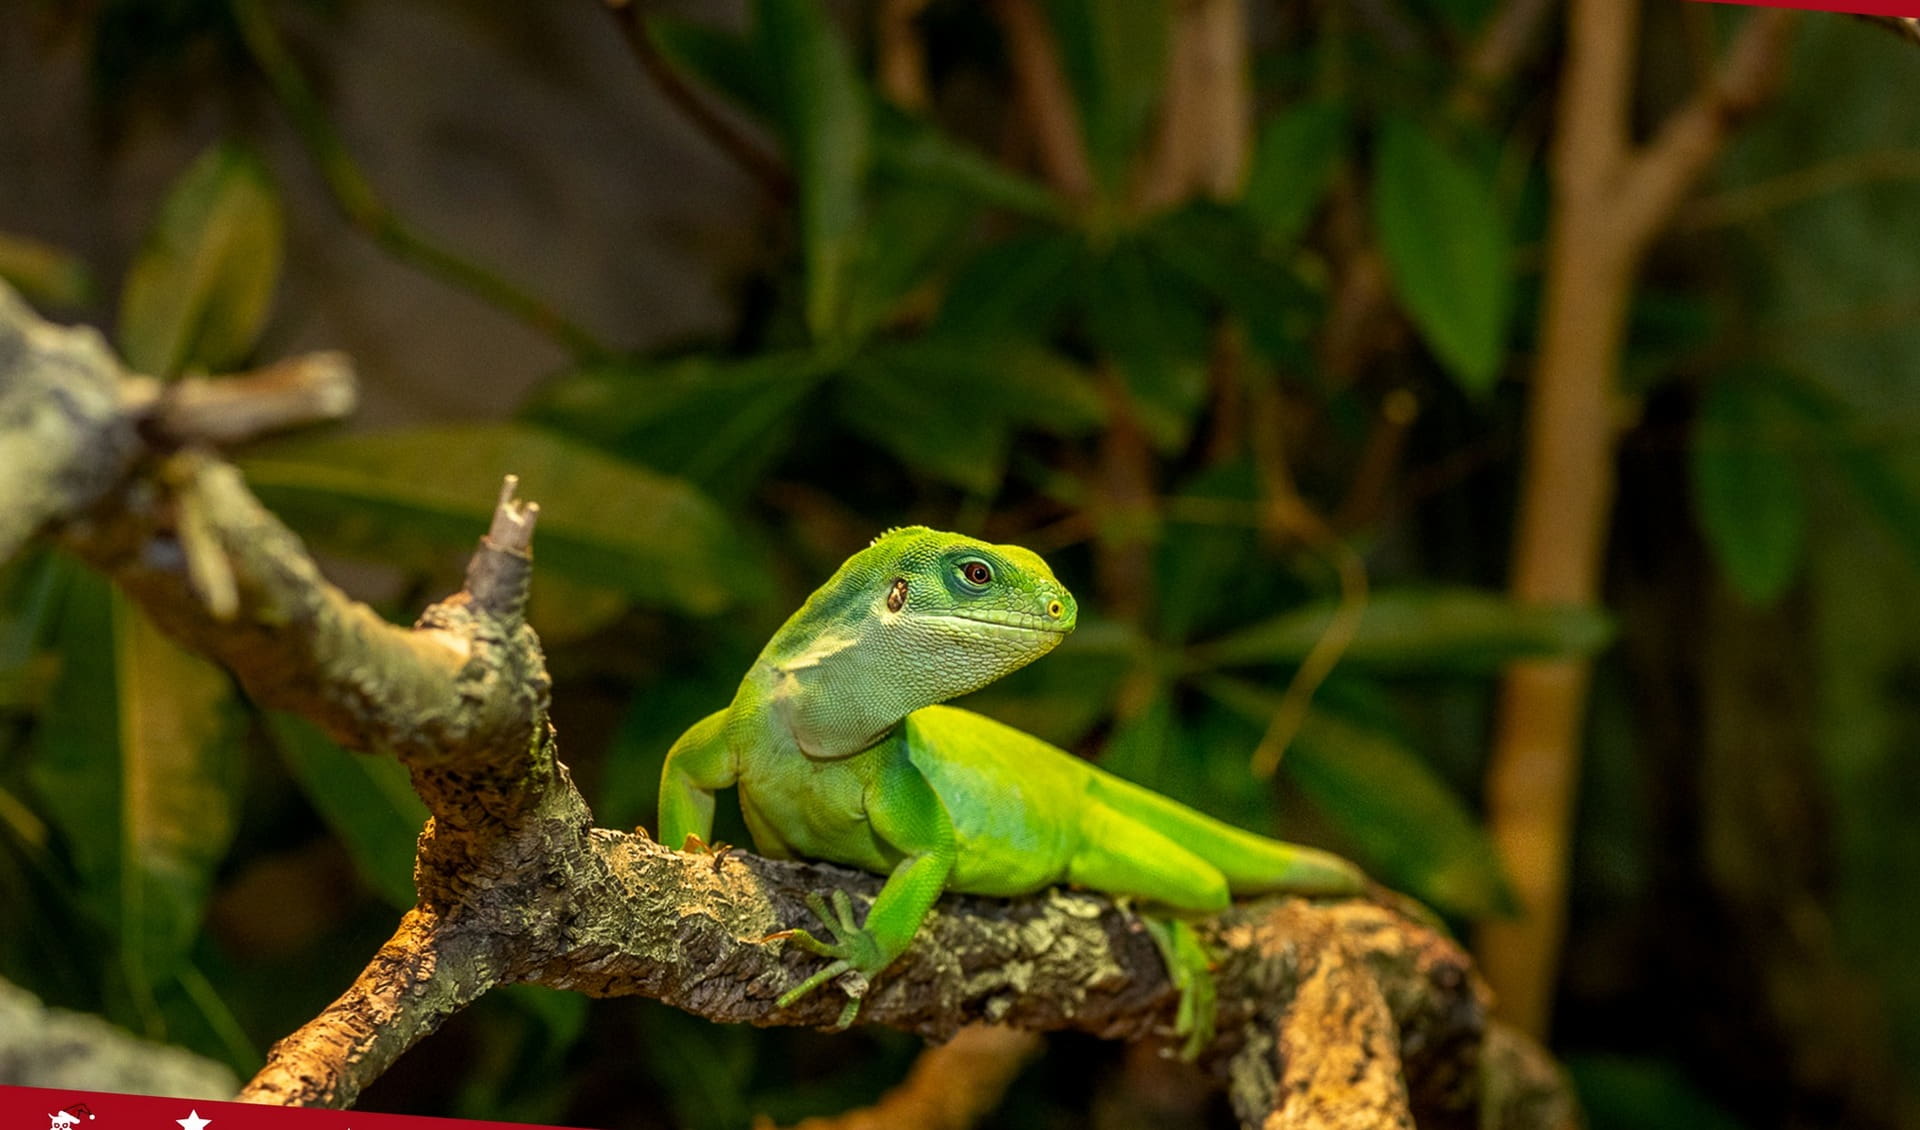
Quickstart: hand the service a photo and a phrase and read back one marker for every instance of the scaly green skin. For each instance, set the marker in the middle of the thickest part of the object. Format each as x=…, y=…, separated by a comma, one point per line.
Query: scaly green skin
x=841, y=754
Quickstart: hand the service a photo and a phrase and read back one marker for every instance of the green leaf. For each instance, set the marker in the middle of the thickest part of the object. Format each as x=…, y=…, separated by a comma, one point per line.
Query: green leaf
x=137, y=770
x=714, y=420
x=418, y=493
x=1411, y=830
x=1021, y=383
x=1447, y=248
x=825, y=114
x=1833, y=429
x=368, y=802
x=948, y=408
x=1210, y=248
x=912, y=230
x=1748, y=489
x=1016, y=285
x=1292, y=167
x=1157, y=331
x=200, y=289
x=722, y=60
x=45, y=274
x=1646, y=1094
x=1445, y=631
x=1115, y=56
x=911, y=150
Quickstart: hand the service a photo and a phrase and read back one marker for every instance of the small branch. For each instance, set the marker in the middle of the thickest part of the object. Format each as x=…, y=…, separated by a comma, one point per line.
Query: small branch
x=426, y=972
x=223, y=411
x=1906, y=27
x=1205, y=135
x=1046, y=99
x=353, y=193
x=760, y=165
x=1659, y=176
x=1750, y=202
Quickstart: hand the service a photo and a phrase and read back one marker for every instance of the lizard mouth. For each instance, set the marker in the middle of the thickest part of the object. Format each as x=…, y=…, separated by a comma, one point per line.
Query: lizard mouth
x=1017, y=621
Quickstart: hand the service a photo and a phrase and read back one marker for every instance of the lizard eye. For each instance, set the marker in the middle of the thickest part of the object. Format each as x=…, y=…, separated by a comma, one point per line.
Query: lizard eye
x=976, y=572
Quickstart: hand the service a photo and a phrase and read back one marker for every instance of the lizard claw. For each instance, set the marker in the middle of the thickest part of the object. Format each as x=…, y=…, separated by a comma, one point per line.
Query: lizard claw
x=1191, y=970
x=853, y=950
x=694, y=845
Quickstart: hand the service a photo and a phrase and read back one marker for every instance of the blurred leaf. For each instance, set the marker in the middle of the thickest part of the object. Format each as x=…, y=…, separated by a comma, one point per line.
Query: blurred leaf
x=1447, y=248
x=1023, y=384
x=1116, y=58
x=1156, y=331
x=1747, y=488
x=136, y=772
x=949, y=439
x=200, y=289
x=1014, y=285
x=1292, y=167
x=1211, y=249
x=367, y=801
x=1834, y=431
x=721, y=60
x=824, y=111
x=45, y=274
x=910, y=231
x=602, y=521
x=714, y=420
x=911, y=150
x=1444, y=631
x=1410, y=829
x=1619, y=1093
x=948, y=408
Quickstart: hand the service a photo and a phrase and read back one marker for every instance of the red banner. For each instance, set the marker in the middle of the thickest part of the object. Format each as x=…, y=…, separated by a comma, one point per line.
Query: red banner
x=38, y=1108
x=1904, y=8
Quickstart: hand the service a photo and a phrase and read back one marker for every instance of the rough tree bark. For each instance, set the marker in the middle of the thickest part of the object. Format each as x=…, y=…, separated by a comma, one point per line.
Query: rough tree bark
x=1341, y=1013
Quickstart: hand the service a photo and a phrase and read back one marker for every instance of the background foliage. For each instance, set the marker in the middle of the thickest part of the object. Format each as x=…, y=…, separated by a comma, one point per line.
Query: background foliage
x=1145, y=391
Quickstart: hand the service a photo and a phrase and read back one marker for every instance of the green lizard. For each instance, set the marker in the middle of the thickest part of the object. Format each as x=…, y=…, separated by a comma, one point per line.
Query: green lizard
x=841, y=754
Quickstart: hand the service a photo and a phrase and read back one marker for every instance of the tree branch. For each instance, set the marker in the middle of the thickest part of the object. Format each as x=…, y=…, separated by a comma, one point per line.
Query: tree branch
x=517, y=886
x=425, y=973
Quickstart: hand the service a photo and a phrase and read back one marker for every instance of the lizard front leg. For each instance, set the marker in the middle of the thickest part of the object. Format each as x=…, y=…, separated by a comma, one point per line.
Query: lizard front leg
x=906, y=813
x=699, y=762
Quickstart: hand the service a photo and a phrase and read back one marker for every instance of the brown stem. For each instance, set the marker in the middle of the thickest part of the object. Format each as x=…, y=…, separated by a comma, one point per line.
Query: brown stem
x=1205, y=134
x=1046, y=100
x=902, y=58
x=1610, y=201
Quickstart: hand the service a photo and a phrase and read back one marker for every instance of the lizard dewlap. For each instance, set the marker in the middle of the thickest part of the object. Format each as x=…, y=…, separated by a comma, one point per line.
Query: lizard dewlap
x=842, y=753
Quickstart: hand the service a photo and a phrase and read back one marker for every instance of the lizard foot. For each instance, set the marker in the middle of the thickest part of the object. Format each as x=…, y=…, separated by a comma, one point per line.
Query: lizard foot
x=853, y=950
x=1191, y=970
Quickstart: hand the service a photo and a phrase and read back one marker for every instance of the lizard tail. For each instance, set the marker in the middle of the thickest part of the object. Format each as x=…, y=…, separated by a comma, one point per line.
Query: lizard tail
x=1252, y=864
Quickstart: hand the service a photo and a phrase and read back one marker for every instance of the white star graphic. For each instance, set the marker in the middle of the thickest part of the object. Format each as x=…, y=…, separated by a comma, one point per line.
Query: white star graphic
x=193, y=1121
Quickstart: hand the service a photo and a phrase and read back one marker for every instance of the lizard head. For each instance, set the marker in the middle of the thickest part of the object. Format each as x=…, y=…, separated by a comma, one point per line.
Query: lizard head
x=917, y=617
x=960, y=612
